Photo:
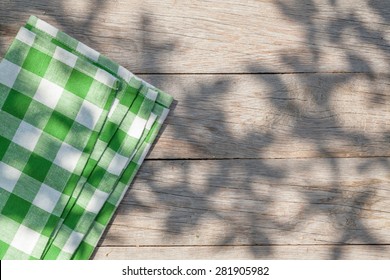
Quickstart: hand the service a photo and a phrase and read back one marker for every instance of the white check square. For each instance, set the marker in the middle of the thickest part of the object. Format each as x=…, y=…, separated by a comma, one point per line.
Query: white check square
x=151, y=120
x=25, y=239
x=163, y=116
x=9, y=177
x=96, y=202
x=125, y=74
x=65, y=57
x=44, y=26
x=27, y=136
x=67, y=157
x=89, y=114
x=46, y=198
x=117, y=164
x=144, y=153
x=152, y=94
x=113, y=107
x=87, y=51
x=105, y=78
x=48, y=93
x=9, y=73
x=137, y=127
x=73, y=242
x=26, y=36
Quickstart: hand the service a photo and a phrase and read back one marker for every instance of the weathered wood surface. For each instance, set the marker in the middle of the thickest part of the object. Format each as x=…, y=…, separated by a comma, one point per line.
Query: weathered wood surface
x=278, y=144
x=256, y=202
x=276, y=116
x=293, y=208
x=323, y=252
x=220, y=36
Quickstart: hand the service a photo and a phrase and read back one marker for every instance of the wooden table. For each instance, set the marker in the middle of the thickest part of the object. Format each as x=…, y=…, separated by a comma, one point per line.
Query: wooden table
x=278, y=144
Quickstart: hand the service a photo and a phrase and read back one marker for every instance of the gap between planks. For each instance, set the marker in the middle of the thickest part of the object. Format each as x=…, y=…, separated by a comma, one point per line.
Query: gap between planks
x=250, y=252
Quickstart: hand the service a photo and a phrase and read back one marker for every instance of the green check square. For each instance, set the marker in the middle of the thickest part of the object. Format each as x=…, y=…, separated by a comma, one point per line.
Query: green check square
x=97, y=176
x=108, y=64
x=128, y=121
x=4, y=90
x=129, y=96
x=91, y=142
x=18, y=52
x=84, y=251
x=15, y=254
x=116, y=195
x=57, y=178
x=79, y=83
x=50, y=225
x=98, y=94
x=105, y=213
x=3, y=249
x=4, y=195
x=88, y=68
x=16, y=156
x=71, y=184
x=46, y=147
x=137, y=104
x=16, y=104
x=4, y=143
x=58, y=126
x=9, y=228
x=58, y=73
x=8, y=131
x=66, y=40
x=38, y=114
x=74, y=216
x=27, y=83
x=39, y=216
x=27, y=187
x=36, y=62
x=85, y=196
x=117, y=140
x=16, y=208
x=52, y=253
x=69, y=104
x=37, y=167
x=87, y=216
x=89, y=167
x=108, y=131
x=60, y=206
x=82, y=138
x=129, y=172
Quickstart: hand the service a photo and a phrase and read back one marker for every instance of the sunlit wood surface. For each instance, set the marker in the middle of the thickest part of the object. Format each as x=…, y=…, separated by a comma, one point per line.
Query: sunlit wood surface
x=278, y=144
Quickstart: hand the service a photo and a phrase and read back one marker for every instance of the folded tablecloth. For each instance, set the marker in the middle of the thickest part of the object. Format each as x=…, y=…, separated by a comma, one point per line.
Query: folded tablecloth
x=74, y=129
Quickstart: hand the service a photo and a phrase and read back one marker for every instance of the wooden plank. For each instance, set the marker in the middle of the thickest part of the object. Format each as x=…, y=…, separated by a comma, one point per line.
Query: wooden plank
x=221, y=36
x=256, y=202
x=275, y=116
x=306, y=252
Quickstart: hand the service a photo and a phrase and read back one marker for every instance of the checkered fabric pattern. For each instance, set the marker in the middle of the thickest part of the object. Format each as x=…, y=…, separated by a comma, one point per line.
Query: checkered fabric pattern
x=75, y=128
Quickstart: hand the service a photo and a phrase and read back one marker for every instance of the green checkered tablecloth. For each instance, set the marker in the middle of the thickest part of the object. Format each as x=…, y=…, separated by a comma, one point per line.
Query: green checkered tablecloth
x=75, y=128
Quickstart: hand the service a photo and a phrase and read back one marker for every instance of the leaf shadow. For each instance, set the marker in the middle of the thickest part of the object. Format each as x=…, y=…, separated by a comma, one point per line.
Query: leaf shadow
x=230, y=180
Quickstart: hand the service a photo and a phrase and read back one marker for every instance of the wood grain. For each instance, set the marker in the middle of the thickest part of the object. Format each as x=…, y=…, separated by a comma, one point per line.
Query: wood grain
x=275, y=116
x=278, y=145
x=256, y=202
x=314, y=252
x=268, y=36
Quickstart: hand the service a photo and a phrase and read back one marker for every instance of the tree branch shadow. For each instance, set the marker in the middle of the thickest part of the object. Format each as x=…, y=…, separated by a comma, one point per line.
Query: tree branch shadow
x=190, y=203
x=213, y=188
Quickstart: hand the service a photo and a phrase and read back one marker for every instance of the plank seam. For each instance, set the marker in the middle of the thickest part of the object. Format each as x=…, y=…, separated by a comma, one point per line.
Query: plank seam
x=259, y=73
x=242, y=245
x=261, y=158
